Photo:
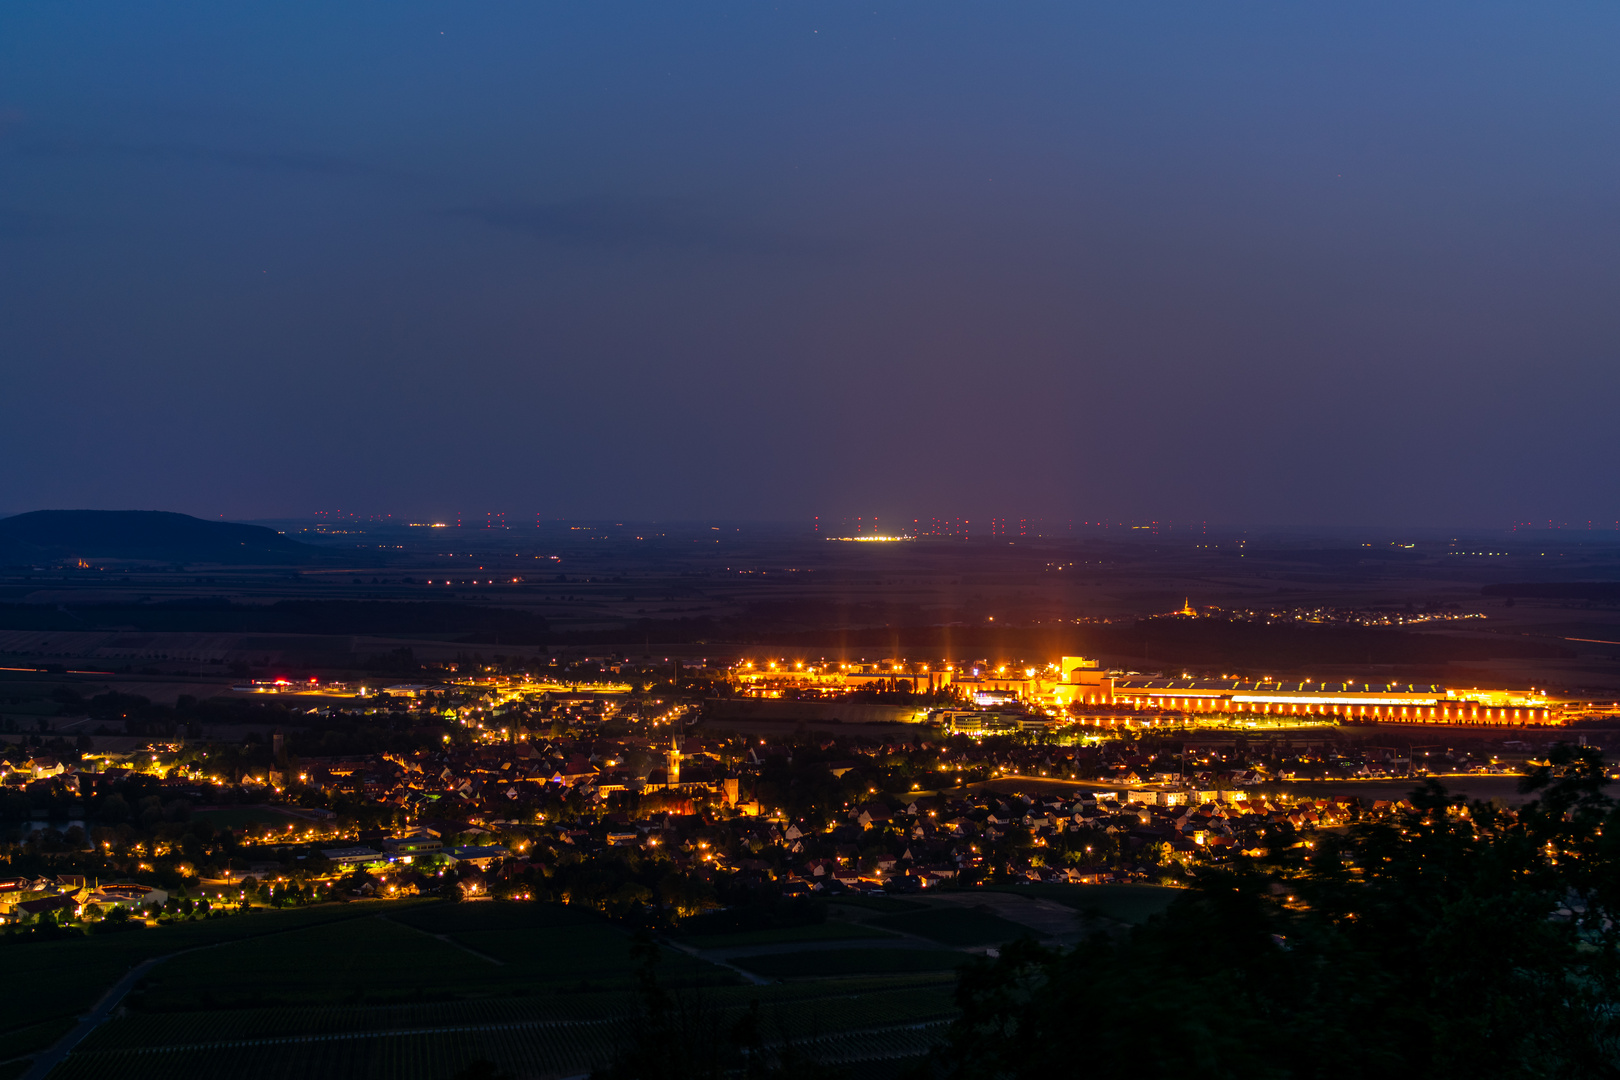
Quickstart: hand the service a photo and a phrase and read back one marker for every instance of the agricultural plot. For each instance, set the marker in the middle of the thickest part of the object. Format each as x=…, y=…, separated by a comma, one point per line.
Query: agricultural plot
x=886, y=905
x=555, y=947
x=862, y=991
x=803, y=1010
x=789, y=1011
x=956, y=926
x=827, y=963
x=528, y=1037
x=885, y=1068
x=383, y=961
x=36, y=1037
x=357, y=961
x=147, y=1030
x=828, y=931
x=494, y=915
x=400, y=997
x=64, y=978
x=529, y=1050
x=525, y=1051
x=590, y=957
x=882, y=1044
x=1134, y=904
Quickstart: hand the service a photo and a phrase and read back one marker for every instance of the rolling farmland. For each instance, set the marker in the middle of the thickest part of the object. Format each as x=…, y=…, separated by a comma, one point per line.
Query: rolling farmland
x=420, y=992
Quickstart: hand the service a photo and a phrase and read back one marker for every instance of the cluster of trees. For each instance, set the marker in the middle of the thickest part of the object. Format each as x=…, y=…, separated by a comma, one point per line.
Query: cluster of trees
x=623, y=883
x=62, y=924
x=1459, y=941
x=803, y=785
x=132, y=714
x=126, y=821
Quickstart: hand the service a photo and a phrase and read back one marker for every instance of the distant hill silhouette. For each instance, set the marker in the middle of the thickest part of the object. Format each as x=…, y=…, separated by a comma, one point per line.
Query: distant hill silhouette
x=47, y=536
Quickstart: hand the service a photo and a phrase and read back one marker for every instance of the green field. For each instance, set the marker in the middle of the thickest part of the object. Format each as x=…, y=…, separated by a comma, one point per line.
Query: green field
x=1134, y=904
x=793, y=1008
x=532, y=1049
x=65, y=978
x=420, y=1055
x=541, y=949
x=827, y=963
x=457, y=918
x=146, y=1030
x=30, y=1040
x=366, y=959
x=389, y=990
x=956, y=926
x=563, y=1034
x=827, y=931
x=548, y=946
x=885, y=904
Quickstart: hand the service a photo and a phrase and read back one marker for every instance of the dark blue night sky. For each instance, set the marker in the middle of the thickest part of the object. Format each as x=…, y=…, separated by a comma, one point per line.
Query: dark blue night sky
x=1285, y=263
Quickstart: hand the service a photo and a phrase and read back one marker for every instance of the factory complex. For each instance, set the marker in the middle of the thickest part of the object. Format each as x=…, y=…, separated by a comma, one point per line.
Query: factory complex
x=1078, y=687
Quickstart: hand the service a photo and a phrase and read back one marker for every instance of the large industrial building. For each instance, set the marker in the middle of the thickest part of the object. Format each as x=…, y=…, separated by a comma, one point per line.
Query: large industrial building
x=1083, y=684
x=1076, y=683
x=1384, y=702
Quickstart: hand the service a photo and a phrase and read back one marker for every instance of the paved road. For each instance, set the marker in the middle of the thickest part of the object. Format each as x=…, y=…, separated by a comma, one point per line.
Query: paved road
x=688, y=950
x=446, y=938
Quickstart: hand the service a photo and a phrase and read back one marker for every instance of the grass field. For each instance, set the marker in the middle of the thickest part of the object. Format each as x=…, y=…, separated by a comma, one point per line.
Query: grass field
x=956, y=926
x=35, y=1038
x=417, y=1055
x=355, y=961
x=417, y=955
x=855, y=1019
x=789, y=1006
x=177, y=1029
x=885, y=904
x=459, y=918
x=390, y=991
x=827, y=931
x=526, y=1051
x=64, y=978
x=1123, y=903
x=826, y=963
x=549, y=946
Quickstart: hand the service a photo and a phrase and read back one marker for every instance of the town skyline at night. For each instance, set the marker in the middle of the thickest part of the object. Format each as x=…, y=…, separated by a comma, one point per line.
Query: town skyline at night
x=838, y=541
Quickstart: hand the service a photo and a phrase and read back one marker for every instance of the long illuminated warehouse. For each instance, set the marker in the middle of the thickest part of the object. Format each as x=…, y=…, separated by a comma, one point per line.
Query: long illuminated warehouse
x=1415, y=702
